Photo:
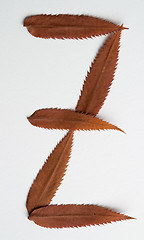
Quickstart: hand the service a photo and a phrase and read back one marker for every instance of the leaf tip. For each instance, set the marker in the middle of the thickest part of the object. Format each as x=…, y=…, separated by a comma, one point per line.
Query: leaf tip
x=124, y=28
x=121, y=130
x=132, y=218
x=126, y=217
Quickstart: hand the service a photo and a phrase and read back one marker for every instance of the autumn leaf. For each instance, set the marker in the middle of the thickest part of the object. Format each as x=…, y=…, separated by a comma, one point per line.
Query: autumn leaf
x=68, y=26
x=50, y=176
x=71, y=215
x=67, y=119
x=99, y=79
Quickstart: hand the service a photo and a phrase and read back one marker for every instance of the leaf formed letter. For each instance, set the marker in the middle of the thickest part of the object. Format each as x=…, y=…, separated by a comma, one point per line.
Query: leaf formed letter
x=67, y=119
x=68, y=26
x=100, y=77
x=50, y=176
x=94, y=93
x=71, y=215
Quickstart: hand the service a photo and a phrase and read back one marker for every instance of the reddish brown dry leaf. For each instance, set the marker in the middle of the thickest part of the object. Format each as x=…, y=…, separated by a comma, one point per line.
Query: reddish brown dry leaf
x=59, y=216
x=67, y=119
x=68, y=26
x=50, y=176
x=100, y=77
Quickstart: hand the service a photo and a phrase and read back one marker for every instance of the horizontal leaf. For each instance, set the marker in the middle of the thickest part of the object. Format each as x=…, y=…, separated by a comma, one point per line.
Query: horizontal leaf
x=68, y=26
x=50, y=176
x=67, y=119
x=71, y=215
x=100, y=77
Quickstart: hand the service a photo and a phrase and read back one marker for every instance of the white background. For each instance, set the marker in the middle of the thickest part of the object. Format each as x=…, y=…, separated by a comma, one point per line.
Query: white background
x=106, y=168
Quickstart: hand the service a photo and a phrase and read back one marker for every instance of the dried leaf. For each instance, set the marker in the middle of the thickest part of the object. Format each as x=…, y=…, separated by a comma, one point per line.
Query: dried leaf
x=68, y=26
x=100, y=77
x=50, y=176
x=67, y=119
x=71, y=215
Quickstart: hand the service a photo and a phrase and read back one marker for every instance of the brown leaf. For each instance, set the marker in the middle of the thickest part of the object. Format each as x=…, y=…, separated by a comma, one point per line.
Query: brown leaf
x=68, y=26
x=71, y=215
x=50, y=176
x=67, y=119
x=100, y=77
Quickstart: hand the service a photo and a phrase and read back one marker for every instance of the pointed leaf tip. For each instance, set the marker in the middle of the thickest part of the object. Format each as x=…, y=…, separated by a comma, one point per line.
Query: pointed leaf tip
x=124, y=28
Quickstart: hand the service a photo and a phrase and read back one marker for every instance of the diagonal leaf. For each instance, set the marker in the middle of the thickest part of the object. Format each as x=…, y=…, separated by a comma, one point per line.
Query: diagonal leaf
x=68, y=26
x=50, y=176
x=67, y=119
x=71, y=215
x=100, y=77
